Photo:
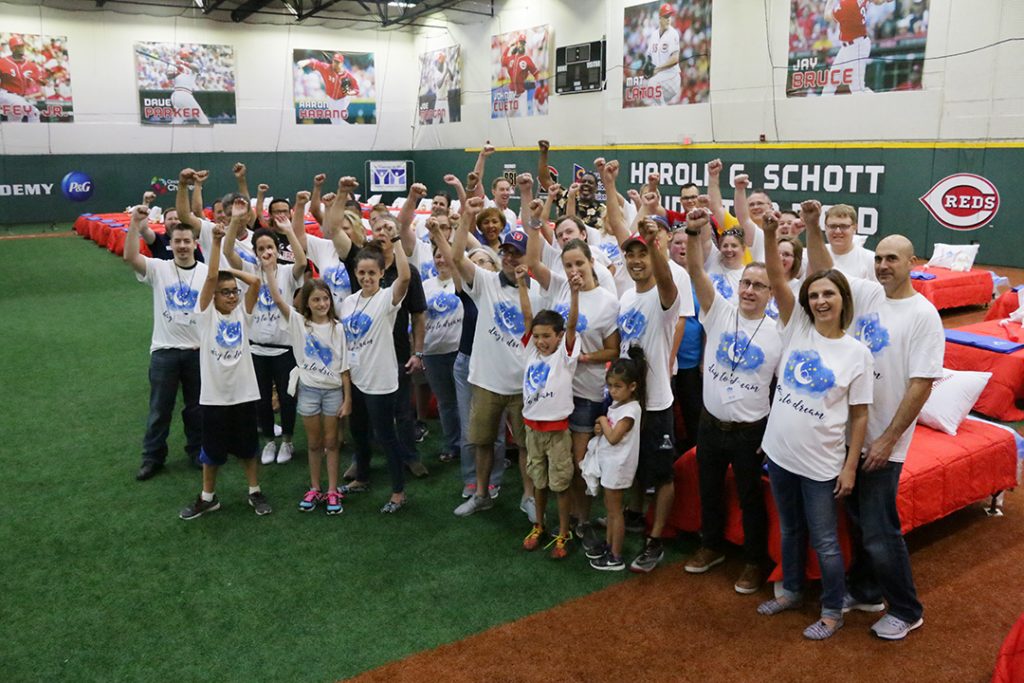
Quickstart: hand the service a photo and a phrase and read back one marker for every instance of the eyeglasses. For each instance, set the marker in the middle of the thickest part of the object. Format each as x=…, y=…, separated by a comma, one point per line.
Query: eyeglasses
x=229, y=292
x=838, y=228
x=758, y=286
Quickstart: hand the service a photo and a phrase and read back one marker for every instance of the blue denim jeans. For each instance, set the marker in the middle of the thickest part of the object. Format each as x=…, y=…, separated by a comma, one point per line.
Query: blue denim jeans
x=881, y=567
x=169, y=368
x=467, y=453
x=376, y=412
x=808, y=506
x=439, y=371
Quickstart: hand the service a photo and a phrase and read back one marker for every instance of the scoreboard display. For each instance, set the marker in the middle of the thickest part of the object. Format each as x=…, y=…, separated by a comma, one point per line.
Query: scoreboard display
x=580, y=68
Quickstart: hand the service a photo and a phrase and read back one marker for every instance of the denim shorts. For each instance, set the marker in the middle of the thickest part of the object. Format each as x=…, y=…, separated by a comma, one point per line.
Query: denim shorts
x=585, y=414
x=312, y=401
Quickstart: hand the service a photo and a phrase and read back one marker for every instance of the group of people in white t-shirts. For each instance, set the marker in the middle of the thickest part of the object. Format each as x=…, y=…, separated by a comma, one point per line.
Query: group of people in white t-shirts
x=565, y=331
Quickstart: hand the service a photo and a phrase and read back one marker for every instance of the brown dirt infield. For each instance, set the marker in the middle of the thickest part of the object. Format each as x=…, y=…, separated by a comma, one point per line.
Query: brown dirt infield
x=670, y=626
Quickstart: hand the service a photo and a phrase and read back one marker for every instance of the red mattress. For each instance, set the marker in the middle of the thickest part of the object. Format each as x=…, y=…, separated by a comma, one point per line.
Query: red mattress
x=942, y=474
x=951, y=290
x=1007, y=303
x=1010, y=664
x=998, y=400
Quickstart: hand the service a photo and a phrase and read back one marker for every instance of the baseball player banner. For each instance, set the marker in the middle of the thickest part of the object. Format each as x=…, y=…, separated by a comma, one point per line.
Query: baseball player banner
x=336, y=88
x=35, y=79
x=855, y=46
x=666, y=53
x=185, y=83
x=520, y=73
x=441, y=86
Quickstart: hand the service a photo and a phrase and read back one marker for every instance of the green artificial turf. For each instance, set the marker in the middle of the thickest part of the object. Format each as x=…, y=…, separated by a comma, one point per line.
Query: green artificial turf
x=102, y=581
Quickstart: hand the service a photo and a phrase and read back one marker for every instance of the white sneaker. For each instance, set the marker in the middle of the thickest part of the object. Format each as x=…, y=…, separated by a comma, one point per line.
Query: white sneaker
x=277, y=430
x=529, y=506
x=269, y=453
x=284, y=453
x=474, y=504
x=894, y=628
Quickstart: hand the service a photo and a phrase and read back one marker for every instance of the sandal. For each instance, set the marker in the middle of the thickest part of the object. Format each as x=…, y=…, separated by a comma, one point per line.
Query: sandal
x=777, y=605
x=354, y=487
x=391, y=507
x=819, y=630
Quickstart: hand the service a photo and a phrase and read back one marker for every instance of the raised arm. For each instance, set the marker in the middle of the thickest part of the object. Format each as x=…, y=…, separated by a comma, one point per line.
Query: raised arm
x=667, y=292
x=575, y=285
x=406, y=215
x=466, y=268
x=773, y=263
x=140, y=216
x=401, y=284
x=334, y=219
x=543, y=174
x=522, y=278
x=270, y=275
x=240, y=178
x=535, y=246
x=212, y=270
x=197, y=192
x=818, y=257
x=297, y=232
x=181, y=202
x=696, y=221
x=261, y=195
x=481, y=164
x=715, y=191
x=743, y=209
x=445, y=249
x=460, y=190
x=316, y=198
x=614, y=218
x=524, y=181
x=239, y=210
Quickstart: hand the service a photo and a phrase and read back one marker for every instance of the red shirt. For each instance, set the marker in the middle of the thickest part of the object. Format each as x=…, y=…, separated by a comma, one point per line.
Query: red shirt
x=518, y=68
x=17, y=77
x=850, y=16
x=333, y=79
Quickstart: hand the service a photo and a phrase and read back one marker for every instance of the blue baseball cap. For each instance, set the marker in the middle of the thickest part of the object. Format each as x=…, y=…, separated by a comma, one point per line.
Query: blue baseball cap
x=516, y=239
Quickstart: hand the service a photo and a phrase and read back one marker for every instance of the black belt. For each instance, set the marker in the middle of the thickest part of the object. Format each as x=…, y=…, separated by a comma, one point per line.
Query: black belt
x=272, y=346
x=730, y=426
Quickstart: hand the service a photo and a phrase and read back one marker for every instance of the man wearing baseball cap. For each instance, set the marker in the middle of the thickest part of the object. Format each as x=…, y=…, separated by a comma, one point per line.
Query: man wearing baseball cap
x=496, y=366
x=339, y=85
x=661, y=67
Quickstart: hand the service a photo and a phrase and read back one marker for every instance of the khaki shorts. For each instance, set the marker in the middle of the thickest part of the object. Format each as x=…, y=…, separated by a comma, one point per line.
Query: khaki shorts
x=549, y=459
x=485, y=416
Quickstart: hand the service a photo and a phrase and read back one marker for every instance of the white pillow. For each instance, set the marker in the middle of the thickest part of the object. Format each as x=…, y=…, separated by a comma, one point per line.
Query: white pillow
x=953, y=396
x=958, y=257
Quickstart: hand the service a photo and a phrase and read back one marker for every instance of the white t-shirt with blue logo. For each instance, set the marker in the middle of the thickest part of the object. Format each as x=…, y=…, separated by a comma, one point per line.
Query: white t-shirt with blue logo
x=225, y=361
x=643, y=321
x=740, y=358
x=497, y=360
x=321, y=354
x=175, y=295
x=444, y=317
x=552, y=258
x=369, y=332
x=422, y=260
x=597, y=319
x=906, y=340
x=547, y=382
x=726, y=280
x=819, y=379
x=266, y=325
x=332, y=270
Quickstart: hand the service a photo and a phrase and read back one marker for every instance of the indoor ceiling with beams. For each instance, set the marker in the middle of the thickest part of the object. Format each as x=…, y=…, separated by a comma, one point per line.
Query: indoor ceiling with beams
x=372, y=14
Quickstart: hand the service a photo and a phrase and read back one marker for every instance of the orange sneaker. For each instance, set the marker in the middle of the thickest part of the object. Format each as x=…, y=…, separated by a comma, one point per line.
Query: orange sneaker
x=561, y=544
x=532, y=540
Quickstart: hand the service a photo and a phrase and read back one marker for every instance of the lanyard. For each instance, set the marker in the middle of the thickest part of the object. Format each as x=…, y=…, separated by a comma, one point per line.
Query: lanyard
x=181, y=283
x=736, y=331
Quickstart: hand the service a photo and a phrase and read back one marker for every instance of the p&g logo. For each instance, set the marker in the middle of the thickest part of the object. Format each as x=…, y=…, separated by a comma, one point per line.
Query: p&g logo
x=77, y=186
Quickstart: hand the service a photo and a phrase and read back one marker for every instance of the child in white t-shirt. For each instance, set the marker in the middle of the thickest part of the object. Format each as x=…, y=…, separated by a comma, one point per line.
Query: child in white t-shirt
x=228, y=396
x=547, y=403
x=614, y=452
x=324, y=392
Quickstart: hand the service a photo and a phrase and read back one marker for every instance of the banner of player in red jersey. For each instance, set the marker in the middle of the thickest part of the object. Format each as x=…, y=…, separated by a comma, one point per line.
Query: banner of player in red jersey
x=520, y=69
x=441, y=86
x=334, y=87
x=666, y=53
x=185, y=83
x=35, y=81
x=855, y=46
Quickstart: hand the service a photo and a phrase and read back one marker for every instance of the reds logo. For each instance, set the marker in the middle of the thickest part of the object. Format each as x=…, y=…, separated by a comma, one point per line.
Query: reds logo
x=962, y=201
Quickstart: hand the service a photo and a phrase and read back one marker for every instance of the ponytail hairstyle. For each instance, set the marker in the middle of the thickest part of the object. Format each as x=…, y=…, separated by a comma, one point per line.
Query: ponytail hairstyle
x=630, y=370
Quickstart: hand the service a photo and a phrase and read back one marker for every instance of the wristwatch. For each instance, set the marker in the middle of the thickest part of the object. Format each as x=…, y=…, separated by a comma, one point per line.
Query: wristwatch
x=692, y=233
x=419, y=354
x=533, y=223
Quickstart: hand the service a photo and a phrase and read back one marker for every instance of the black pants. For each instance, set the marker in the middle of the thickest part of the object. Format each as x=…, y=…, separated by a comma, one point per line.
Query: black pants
x=716, y=450
x=687, y=388
x=271, y=371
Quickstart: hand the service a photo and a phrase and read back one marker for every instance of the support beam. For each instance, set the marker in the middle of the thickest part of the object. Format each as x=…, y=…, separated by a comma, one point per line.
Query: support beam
x=422, y=10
